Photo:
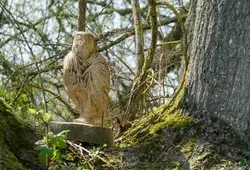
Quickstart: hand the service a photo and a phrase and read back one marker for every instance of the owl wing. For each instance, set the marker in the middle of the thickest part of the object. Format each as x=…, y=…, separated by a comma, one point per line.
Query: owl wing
x=99, y=82
x=69, y=73
x=72, y=83
x=100, y=76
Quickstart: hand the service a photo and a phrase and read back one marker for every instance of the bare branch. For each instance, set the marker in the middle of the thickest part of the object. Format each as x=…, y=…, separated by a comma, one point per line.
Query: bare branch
x=131, y=31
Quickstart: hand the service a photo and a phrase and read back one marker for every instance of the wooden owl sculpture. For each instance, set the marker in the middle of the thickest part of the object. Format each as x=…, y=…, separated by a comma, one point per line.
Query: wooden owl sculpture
x=87, y=79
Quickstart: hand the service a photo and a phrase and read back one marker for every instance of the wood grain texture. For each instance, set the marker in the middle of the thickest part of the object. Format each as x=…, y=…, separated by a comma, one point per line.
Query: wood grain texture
x=87, y=79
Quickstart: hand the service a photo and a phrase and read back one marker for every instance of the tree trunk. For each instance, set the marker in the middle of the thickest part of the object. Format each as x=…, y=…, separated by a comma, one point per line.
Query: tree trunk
x=219, y=71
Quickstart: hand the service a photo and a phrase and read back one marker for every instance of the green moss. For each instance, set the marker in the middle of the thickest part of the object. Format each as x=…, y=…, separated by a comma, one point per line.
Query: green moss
x=175, y=120
x=168, y=114
x=187, y=147
x=8, y=160
x=13, y=139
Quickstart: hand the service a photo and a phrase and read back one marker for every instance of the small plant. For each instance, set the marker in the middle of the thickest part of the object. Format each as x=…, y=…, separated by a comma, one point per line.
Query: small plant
x=51, y=147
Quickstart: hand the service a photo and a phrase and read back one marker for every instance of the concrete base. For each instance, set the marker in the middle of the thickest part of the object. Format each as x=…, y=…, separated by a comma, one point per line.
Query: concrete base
x=83, y=132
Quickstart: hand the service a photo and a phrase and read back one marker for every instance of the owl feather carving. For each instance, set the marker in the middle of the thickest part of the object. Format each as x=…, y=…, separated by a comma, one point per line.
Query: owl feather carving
x=87, y=79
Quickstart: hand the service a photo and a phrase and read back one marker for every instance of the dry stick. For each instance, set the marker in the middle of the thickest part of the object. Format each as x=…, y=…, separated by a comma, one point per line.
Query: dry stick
x=169, y=42
x=87, y=151
x=154, y=31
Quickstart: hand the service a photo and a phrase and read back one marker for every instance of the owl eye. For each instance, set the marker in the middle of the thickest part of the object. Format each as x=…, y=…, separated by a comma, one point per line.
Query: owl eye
x=80, y=42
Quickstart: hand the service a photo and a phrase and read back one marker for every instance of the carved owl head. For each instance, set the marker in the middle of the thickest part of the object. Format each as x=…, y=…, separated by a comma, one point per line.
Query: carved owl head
x=84, y=45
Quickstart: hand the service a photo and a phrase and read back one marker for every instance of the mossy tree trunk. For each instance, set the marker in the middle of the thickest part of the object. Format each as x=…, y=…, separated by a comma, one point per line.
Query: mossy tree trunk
x=16, y=142
x=219, y=71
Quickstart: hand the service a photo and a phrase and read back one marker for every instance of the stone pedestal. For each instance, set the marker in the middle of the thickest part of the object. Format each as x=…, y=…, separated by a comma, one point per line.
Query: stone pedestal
x=83, y=133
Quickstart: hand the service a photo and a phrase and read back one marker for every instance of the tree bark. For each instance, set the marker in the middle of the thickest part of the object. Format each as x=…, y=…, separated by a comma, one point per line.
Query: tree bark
x=219, y=71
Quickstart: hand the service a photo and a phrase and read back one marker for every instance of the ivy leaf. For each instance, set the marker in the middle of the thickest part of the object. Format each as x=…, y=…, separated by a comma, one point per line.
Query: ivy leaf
x=53, y=141
x=41, y=147
x=44, y=155
x=61, y=143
